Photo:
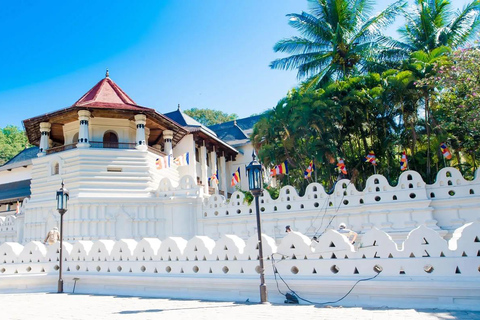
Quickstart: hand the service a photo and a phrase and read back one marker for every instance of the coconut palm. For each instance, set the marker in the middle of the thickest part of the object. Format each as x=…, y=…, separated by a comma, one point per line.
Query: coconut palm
x=423, y=65
x=432, y=24
x=338, y=38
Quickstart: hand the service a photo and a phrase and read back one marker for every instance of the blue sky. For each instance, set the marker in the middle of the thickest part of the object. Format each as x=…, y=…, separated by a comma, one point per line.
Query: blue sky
x=204, y=54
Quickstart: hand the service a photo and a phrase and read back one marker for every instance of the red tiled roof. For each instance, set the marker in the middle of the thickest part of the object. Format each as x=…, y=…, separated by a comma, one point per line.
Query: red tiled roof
x=106, y=94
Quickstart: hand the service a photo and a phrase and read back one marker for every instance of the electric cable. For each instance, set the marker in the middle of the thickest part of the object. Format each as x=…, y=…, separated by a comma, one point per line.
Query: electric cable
x=275, y=272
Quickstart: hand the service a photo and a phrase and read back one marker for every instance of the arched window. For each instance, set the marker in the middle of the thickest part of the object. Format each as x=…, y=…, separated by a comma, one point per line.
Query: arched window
x=110, y=140
x=55, y=168
x=75, y=138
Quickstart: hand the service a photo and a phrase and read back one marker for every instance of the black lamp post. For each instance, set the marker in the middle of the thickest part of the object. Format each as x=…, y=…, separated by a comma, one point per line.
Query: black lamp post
x=255, y=185
x=62, y=199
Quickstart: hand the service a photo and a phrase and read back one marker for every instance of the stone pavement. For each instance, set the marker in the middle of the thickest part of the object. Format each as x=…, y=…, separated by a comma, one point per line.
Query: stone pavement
x=42, y=306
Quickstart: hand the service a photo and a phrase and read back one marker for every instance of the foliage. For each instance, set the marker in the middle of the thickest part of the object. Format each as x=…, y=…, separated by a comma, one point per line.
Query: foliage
x=458, y=112
x=248, y=195
x=338, y=38
x=209, y=117
x=350, y=104
x=12, y=141
x=432, y=24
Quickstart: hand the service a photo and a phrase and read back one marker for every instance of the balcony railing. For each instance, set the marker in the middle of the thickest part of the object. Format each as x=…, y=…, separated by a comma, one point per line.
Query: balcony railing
x=111, y=145
x=104, y=145
x=61, y=148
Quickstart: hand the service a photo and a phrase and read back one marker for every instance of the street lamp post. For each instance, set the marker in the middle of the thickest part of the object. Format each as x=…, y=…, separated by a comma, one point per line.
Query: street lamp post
x=255, y=185
x=62, y=199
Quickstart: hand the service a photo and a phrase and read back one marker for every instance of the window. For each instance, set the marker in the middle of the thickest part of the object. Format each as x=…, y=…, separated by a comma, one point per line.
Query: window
x=75, y=138
x=110, y=140
x=55, y=168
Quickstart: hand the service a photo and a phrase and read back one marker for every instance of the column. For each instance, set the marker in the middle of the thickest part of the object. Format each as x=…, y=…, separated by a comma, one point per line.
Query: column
x=83, y=135
x=167, y=138
x=140, y=121
x=213, y=167
x=44, y=136
x=203, y=165
x=223, y=175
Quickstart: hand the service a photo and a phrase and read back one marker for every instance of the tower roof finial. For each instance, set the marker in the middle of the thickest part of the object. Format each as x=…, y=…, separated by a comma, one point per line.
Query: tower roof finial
x=178, y=107
x=107, y=75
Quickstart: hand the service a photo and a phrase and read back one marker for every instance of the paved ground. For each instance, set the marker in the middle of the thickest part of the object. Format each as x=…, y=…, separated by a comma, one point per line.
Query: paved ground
x=42, y=306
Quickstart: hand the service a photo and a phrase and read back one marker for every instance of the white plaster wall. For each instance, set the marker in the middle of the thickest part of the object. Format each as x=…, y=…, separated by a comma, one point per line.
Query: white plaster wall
x=394, y=209
x=227, y=269
x=125, y=129
x=187, y=144
x=16, y=174
x=241, y=161
x=69, y=131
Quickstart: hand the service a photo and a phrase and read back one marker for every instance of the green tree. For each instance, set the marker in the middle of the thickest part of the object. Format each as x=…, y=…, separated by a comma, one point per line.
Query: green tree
x=424, y=66
x=432, y=24
x=209, y=117
x=338, y=38
x=457, y=112
x=12, y=141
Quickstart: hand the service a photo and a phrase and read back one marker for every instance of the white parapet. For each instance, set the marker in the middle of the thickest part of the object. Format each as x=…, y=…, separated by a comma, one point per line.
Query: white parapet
x=440, y=274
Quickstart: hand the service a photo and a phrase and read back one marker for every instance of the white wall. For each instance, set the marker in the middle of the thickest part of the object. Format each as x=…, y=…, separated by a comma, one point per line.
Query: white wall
x=440, y=274
x=16, y=174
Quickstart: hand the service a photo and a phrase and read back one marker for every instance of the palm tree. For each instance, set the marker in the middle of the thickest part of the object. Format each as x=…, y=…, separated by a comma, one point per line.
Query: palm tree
x=423, y=65
x=432, y=24
x=338, y=39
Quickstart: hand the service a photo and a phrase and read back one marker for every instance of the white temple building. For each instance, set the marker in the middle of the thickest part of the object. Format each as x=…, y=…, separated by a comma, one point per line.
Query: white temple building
x=134, y=229
x=105, y=148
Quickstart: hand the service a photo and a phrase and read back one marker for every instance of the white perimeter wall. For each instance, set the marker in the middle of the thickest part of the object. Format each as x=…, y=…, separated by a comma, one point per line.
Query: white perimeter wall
x=424, y=271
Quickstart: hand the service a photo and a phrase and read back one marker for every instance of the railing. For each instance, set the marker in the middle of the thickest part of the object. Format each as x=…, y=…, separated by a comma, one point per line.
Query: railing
x=156, y=151
x=61, y=148
x=112, y=145
x=104, y=145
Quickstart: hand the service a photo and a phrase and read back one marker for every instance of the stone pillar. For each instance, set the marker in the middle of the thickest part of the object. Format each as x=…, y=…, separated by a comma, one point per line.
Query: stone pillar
x=83, y=135
x=44, y=136
x=203, y=166
x=140, y=121
x=167, y=138
x=223, y=175
x=213, y=168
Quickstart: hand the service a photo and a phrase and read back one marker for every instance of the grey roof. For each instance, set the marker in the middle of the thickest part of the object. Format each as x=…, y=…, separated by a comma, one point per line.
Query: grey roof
x=236, y=132
x=13, y=191
x=244, y=123
x=23, y=158
x=188, y=122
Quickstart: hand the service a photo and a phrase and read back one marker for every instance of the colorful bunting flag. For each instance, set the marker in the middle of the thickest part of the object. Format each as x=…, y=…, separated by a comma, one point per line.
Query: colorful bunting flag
x=404, y=161
x=445, y=151
x=214, y=179
x=236, y=177
x=182, y=160
x=308, y=173
x=371, y=158
x=341, y=166
x=163, y=162
x=280, y=169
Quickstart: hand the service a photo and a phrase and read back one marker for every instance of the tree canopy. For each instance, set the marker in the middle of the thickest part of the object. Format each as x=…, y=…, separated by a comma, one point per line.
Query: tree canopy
x=369, y=94
x=12, y=141
x=209, y=117
x=338, y=38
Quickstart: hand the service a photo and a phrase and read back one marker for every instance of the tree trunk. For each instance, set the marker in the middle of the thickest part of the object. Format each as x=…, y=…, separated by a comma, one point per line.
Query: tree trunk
x=427, y=127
